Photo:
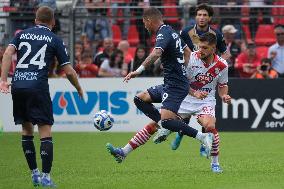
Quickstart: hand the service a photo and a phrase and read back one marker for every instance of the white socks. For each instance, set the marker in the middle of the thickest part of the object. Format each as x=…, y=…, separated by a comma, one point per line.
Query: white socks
x=215, y=160
x=200, y=136
x=127, y=149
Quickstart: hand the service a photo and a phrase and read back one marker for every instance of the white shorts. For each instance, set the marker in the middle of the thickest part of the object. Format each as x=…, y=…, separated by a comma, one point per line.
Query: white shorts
x=197, y=109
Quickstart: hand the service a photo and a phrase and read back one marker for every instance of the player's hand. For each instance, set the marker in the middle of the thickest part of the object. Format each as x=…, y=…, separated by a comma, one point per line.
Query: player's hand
x=4, y=87
x=226, y=99
x=200, y=94
x=130, y=75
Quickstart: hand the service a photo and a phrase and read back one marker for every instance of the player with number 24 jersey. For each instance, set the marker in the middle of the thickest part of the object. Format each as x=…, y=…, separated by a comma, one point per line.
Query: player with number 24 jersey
x=36, y=48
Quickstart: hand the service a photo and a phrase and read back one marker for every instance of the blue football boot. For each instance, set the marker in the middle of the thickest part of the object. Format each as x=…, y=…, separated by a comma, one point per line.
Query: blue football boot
x=117, y=153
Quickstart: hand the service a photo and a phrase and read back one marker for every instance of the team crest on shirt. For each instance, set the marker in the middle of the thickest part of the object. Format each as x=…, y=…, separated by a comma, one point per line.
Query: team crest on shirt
x=204, y=78
x=217, y=71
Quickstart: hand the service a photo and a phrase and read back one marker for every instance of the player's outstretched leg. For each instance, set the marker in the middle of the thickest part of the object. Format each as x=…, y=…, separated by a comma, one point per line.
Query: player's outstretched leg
x=137, y=140
x=163, y=133
x=176, y=142
x=179, y=126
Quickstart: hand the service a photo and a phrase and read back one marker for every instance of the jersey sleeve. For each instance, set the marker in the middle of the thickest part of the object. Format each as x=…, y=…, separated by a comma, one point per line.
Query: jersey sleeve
x=61, y=53
x=162, y=40
x=183, y=44
x=185, y=37
x=15, y=41
x=223, y=79
x=221, y=45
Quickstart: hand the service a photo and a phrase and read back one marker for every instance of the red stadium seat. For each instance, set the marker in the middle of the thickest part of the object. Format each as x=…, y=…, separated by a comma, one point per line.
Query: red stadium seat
x=245, y=15
x=278, y=12
x=262, y=51
x=132, y=51
x=133, y=36
x=265, y=35
x=246, y=31
x=171, y=11
x=116, y=34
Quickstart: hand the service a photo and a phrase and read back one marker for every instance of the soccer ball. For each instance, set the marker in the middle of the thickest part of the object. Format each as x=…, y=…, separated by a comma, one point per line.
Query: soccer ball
x=103, y=120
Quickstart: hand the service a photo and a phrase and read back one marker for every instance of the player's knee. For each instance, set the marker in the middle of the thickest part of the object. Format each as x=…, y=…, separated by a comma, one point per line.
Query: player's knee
x=27, y=129
x=209, y=126
x=144, y=96
x=44, y=131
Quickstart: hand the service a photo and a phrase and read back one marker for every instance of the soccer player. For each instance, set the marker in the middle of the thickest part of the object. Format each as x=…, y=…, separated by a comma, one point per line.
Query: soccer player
x=191, y=36
x=207, y=71
x=36, y=48
x=174, y=54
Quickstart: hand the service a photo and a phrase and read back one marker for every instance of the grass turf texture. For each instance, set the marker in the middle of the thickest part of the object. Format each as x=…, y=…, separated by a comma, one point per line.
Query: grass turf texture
x=249, y=160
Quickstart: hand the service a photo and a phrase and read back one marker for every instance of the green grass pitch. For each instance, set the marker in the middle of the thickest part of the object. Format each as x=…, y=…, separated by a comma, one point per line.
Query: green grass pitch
x=249, y=160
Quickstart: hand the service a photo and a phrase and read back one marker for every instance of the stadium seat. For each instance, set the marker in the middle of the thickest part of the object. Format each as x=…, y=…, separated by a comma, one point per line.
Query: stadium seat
x=246, y=31
x=278, y=12
x=265, y=35
x=132, y=51
x=245, y=15
x=133, y=36
x=170, y=10
x=262, y=51
x=116, y=34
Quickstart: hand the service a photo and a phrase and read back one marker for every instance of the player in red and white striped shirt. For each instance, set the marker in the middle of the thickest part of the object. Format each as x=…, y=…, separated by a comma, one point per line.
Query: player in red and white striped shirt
x=206, y=72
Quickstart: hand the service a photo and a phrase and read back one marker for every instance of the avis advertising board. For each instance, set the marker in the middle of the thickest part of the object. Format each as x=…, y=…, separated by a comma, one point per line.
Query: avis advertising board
x=257, y=105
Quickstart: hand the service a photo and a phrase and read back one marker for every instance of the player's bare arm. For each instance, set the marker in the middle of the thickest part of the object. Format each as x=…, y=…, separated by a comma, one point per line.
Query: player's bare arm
x=153, y=56
x=6, y=63
x=223, y=93
x=72, y=77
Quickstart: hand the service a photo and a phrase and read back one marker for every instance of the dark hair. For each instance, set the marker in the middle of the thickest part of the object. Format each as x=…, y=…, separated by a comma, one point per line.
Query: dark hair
x=140, y=47
x=137, y=62
x=113, y=56
x=87, y=54
x=79, y=42
x=206, y=7
x=279, y=26
x=44, y=14
x=208, y=37
x=266, y=60
x=152, y=12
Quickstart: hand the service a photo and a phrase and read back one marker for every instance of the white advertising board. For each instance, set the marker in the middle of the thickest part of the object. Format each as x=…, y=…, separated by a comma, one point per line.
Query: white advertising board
x=73, y=114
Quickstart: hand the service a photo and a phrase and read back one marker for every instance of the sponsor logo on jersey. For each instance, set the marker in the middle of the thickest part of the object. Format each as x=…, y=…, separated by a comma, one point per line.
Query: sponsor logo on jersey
x=204, y=78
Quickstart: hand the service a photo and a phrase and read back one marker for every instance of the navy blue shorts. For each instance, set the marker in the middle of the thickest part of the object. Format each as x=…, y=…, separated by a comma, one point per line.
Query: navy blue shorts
x=170, y=96
x=33, y=106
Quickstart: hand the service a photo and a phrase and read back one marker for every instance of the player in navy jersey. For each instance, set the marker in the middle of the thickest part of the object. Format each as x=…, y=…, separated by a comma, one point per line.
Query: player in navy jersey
x=173, y=53
x=191, y=36
x=36, y=48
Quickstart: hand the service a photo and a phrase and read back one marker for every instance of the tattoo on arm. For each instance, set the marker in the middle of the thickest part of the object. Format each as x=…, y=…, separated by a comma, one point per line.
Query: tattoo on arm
x=154, y=55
